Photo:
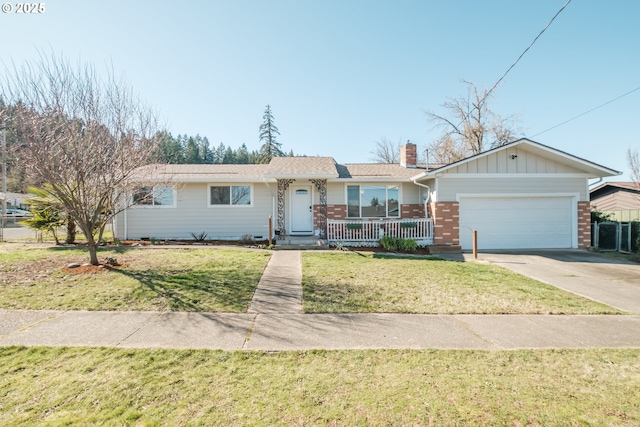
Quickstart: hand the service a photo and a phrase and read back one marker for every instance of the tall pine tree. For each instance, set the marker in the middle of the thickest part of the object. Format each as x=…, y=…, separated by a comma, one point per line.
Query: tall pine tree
x=270, y=147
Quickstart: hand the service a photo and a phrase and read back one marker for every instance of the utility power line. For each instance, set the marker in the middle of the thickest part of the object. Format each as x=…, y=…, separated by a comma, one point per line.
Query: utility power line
x=529, y=47
x=587, y=112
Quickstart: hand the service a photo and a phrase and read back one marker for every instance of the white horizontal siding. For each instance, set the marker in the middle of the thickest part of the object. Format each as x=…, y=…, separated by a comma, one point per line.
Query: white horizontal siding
x=449, y=189
x=193, y=215
x=336, y=194
x=411, y=193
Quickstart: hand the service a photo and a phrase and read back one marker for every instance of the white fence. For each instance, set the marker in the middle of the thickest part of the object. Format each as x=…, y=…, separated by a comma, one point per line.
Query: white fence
x=369, y=233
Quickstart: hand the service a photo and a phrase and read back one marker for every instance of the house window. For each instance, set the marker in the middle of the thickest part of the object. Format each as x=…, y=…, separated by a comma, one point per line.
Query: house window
x=229, y=195
x=372, y=201
x=160, y=195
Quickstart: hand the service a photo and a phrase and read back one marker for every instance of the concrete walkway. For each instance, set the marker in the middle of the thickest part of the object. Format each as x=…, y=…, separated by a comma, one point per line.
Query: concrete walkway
x=275, y=322
x=280, y=287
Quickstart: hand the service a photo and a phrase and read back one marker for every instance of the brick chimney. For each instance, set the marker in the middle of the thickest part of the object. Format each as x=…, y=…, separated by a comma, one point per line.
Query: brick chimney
x=409, y=155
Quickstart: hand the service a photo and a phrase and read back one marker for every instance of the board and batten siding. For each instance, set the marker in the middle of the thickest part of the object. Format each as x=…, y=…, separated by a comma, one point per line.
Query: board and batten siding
x=193, y=214
x=448, y=189
x=512, y=160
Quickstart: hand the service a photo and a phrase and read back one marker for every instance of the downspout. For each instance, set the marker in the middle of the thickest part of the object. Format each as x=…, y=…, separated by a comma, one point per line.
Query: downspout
x=426, y=200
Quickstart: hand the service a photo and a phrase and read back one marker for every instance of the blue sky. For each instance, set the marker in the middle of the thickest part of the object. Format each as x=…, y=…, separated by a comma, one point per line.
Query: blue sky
x=340, y=75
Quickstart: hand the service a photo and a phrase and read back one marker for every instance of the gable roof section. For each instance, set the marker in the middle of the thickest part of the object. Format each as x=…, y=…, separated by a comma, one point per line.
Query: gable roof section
x=278, y=168
x=301, y=167
x=376, y=172
x=584, y=166
x=200, y=173
x=612, y=187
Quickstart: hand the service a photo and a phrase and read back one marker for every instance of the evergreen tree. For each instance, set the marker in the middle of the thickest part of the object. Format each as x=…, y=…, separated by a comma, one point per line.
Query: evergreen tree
x=219, y=153
x=229, y=156
x=204, y=151
x=270, y=147
x=242, y=155
x=192, y=151
x=171, y=149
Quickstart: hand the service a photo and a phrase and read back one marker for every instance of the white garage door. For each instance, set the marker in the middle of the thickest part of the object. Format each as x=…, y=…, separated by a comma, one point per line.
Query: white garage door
x=517, y=223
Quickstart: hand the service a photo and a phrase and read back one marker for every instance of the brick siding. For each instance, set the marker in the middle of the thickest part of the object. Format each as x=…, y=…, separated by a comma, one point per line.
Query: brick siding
x=584, y=225
x=446, y=220
x=412, y=211
x=336, y=211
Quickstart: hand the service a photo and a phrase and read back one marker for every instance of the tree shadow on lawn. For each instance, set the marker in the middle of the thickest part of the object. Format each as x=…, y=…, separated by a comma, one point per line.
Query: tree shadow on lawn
x=416, y=257
x=195, y=290
x=83, y=247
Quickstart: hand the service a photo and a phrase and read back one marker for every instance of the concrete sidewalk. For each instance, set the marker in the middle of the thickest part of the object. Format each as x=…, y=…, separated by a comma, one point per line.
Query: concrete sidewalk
x=277, y=332
x=274, y=322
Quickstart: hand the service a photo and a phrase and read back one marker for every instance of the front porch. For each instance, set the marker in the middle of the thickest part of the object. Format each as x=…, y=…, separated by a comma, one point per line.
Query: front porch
x=369, y=232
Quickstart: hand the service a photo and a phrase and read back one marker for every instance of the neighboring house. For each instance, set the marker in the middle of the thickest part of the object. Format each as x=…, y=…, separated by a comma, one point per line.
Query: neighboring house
x=619, y=199
x=520, y=195
x=15, y=200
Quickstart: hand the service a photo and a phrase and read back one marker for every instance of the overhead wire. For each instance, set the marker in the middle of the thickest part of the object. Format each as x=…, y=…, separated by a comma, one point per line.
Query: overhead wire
x=529, y=47
x=587, y=112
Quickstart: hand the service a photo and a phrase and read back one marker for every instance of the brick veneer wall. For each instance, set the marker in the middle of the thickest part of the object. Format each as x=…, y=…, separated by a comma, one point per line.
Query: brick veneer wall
x=412, y=211
x=584, y=225
x=446, y=223
x=336, y=211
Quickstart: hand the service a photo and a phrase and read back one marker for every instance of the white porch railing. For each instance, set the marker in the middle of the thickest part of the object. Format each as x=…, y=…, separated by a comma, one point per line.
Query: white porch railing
x=369, y=232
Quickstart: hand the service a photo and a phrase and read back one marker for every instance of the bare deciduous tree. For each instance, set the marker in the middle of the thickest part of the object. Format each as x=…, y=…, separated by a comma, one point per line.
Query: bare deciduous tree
x=633, y=158
x=81, y=134
x=469, y=127
x=386, y=151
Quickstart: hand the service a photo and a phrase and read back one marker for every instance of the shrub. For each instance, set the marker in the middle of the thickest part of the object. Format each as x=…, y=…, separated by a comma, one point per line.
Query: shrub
x=247, y=239
x=398, y=244
x=199, y=237
x=389, y=243
x=408, y=245
x=597, y=216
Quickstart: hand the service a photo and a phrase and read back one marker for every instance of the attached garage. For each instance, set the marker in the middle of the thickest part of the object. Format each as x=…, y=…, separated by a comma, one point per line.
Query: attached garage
x=521, y=195
x=518, y=222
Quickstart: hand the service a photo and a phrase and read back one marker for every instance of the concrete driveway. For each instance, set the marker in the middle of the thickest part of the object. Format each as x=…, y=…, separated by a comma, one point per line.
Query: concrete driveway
x=598, y=277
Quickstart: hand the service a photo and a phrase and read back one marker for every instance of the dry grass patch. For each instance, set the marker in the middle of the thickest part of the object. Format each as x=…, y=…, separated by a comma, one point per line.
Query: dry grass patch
x=339, y=282
x=87, y=386
x=202, y=279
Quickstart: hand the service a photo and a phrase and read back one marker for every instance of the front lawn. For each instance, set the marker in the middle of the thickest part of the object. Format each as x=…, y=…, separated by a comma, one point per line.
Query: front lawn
x=203, y=279
x=110, y=386
x=352, y=282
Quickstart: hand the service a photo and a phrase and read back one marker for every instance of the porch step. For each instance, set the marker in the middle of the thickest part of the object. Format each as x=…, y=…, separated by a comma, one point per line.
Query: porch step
x=302, y=242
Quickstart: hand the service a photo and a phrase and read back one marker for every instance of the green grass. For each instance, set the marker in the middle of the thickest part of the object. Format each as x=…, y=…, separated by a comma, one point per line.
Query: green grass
x=348, y=282
x=148, y=280
x=86, y=386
